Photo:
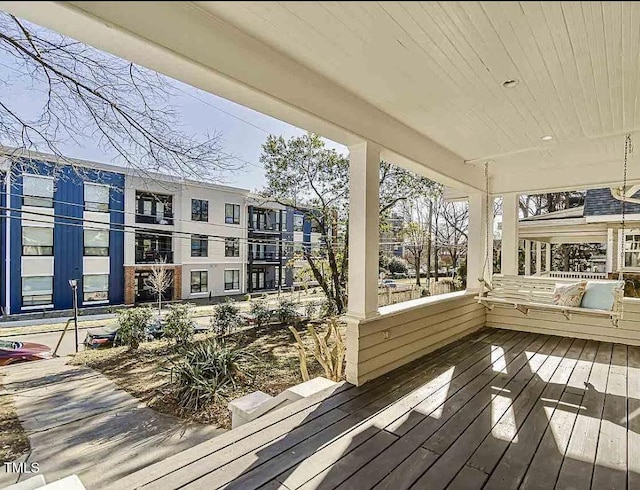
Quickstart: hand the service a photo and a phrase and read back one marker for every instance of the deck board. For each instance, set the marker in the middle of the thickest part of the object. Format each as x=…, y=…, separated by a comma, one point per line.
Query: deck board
x=495, y=410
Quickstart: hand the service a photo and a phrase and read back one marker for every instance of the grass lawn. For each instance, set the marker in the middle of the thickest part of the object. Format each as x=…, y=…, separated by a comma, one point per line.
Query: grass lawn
x=275, y=368
x=13, y=439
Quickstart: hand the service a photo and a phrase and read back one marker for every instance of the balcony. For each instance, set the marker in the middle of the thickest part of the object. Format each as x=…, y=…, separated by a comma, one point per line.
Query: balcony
x=264, y=257
x=264, y=227
x=158, y=219
x=153, y=256
x=265, y=286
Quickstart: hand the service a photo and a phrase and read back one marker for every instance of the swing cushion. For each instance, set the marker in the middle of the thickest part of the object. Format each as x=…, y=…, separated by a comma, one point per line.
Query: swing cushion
x=569, y=294
x=600, y=295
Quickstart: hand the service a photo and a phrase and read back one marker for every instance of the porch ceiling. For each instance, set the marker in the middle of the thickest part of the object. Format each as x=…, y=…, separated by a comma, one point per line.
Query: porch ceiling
x=423, y=80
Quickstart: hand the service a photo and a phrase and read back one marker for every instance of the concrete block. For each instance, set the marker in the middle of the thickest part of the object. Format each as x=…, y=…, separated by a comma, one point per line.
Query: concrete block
x=241, y=408
x=310, y=387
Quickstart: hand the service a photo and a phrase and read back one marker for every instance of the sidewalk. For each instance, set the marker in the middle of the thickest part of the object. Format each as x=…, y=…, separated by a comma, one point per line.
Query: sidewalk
x=79, y=422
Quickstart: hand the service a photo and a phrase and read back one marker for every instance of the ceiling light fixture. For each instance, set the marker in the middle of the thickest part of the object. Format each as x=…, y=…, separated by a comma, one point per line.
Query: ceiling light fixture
x=510, y=83
x=547, y=138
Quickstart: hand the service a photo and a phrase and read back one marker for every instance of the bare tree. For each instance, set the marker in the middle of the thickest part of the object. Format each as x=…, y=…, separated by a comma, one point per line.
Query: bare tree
x=416, y=232
x=452, y=230
x=159, y=280
x=88, y=94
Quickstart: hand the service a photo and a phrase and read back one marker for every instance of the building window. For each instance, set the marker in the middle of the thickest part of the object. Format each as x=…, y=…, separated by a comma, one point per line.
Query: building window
x=632, y=249
x=96, y=197
x=298, y=222
x=37, y=190
x=37, y=291
x=232, y=214
x=232, y=247
x=199, y=246
x=154, y=208
x=95, y=287
x=199, y=281
x=199, y=210
x=231, y=280
x=96, y=242
x=37, y=241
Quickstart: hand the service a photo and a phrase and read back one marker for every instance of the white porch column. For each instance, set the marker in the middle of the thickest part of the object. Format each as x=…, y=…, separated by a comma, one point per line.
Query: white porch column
x=527, y=257
x=364, y=209
x=538, y=258
x=611, y=251
x=509, y=264
x=547, y=258
x=479, y=264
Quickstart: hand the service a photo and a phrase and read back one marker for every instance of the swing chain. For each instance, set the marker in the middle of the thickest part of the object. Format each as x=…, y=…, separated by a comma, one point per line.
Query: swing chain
x=489, y=222
x=627, y=147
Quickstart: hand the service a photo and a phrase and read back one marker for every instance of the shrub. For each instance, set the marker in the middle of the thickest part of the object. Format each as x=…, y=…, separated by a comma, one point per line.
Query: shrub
x=133, y=326
x=397, y=266
x=204, y=373
x=328, y=308
x=179, y=323
x=286, y=311
x=261, y=313
x=311, y=310
x=226, y=317
x=247, y=297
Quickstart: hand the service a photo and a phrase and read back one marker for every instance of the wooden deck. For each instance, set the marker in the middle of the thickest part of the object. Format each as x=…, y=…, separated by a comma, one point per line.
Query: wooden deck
x=496, y=409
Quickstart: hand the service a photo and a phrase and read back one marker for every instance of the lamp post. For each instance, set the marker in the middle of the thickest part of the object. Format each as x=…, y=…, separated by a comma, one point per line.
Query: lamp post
x=74, y=288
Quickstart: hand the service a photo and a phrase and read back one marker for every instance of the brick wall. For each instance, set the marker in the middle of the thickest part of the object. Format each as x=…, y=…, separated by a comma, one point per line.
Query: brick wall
x=129, y=285
x=177, y=282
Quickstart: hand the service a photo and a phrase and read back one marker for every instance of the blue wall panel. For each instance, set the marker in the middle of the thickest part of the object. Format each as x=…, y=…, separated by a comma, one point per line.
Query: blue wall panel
x=116, y=239
x=68, y=232
x=2, y=241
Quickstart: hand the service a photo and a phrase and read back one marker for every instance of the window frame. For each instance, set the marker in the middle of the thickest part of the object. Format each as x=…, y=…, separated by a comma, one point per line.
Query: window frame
x=200, y=238
x=92, y=250
x=43, y=303
x=233, y=287
x=232, y=244
x=101, y=207
x=203, y=214
x=38, y=201
x=86, y=301
x=232, y=219
x=22, y=244
x=199, y=273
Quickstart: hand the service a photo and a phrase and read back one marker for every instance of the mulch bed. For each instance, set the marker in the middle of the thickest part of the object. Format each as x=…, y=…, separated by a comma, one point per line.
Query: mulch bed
x=275, y=368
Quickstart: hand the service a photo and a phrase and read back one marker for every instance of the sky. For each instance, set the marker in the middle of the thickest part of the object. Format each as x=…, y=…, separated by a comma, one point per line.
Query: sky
x=243, y=130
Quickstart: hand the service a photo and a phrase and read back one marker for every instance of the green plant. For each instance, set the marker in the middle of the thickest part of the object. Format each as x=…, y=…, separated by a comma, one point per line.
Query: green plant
x=133, y=326
x=311, y=310
x=328, y=308
x=261, y=313
x=329, y=350
x=226, y=317
x=205, y=371
x=247, y=297
x=286, y=311
x=179, y=323
x=397, y=265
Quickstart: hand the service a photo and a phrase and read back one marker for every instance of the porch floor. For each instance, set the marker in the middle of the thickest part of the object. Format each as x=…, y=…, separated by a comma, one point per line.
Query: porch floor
x=496, y=409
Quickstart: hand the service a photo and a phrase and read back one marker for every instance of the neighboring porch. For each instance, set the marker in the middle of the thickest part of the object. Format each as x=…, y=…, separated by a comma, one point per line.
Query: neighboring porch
x=497, y=408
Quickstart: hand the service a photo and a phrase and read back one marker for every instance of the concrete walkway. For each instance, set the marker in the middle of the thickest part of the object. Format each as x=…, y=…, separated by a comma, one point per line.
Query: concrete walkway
x=81, y=423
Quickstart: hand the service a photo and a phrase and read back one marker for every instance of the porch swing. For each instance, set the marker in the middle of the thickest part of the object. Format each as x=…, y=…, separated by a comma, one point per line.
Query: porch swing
x=526, y=293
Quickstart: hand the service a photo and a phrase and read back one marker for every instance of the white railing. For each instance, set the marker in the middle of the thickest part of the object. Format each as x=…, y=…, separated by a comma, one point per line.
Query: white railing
x=576, y=275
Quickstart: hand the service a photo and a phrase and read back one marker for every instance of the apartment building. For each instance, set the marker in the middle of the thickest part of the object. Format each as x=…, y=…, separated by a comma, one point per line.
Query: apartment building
x=198, y=231
x=60, y=223
x=107, y=228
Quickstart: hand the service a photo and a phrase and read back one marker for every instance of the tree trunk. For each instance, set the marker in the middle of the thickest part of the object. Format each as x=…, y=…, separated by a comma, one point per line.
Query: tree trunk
x=417, y=268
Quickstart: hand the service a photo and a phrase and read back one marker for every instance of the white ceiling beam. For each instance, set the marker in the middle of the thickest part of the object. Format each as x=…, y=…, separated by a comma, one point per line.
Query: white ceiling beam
x=184, y=42
x=534, y=180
